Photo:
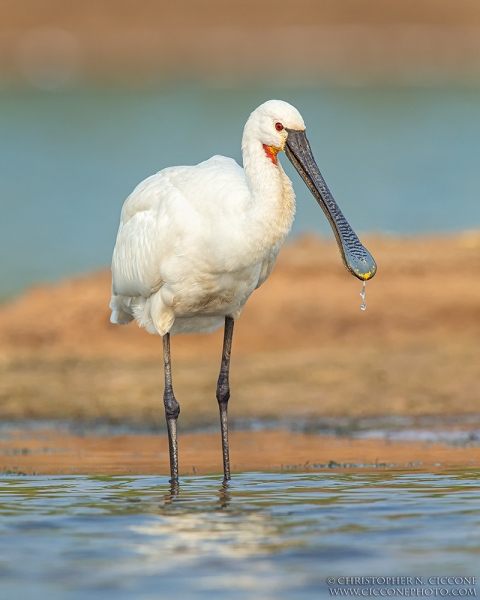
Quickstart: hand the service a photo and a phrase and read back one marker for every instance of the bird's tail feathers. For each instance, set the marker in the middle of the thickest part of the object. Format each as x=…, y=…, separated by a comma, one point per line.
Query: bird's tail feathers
x=142, y=313
x=121, y=310
x=150, y=313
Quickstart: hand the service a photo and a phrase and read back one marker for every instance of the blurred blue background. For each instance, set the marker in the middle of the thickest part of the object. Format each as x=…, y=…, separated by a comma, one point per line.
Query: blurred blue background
x=399, y=148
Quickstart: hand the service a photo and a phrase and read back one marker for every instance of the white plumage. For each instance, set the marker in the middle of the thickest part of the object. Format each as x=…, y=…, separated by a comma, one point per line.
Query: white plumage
x=195, y=242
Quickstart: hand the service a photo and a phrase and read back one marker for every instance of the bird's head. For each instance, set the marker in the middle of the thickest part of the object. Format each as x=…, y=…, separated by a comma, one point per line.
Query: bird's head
x=270, y=124
x=278, y=126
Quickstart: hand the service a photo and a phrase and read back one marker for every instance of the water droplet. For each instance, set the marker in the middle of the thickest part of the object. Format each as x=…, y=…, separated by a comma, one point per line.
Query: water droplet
x=362, y=294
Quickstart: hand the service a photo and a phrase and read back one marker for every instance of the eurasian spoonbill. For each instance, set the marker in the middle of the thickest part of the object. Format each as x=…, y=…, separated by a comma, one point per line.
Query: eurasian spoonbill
x=195, y=242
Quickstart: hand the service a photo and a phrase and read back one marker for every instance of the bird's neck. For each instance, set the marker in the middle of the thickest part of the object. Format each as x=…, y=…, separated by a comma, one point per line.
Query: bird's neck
x=272, y=200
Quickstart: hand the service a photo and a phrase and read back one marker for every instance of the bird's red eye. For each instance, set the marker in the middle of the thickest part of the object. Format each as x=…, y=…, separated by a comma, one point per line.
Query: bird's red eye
x=278, y=126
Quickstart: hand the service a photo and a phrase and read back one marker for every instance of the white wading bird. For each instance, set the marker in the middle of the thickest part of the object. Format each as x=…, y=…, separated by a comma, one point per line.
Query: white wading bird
x=195, y=242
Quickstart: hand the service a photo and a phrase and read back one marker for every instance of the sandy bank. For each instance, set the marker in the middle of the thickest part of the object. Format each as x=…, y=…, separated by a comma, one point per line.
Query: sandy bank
x=302, y=347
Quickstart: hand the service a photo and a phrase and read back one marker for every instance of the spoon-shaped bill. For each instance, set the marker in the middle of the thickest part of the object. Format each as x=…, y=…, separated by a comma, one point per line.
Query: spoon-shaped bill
x=356, y=258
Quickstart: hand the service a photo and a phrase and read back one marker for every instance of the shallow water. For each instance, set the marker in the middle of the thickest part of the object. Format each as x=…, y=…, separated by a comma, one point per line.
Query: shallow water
x=264, y=536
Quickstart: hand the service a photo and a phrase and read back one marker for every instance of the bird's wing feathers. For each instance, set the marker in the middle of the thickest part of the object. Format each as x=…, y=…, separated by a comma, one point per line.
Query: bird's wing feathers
x=160, y=214
x=140, y=239
x=144, y=197
x=210, y=184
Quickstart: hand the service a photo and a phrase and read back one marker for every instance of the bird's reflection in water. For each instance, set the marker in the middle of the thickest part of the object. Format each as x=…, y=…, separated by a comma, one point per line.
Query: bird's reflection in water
x=173, y=494
x=224, y=496
x=185, y=528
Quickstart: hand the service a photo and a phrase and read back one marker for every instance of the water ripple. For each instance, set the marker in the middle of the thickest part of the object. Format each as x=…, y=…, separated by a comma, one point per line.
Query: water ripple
x=262, y=536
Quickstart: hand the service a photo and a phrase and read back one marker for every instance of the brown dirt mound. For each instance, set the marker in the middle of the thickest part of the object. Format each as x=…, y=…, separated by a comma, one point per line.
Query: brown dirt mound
x=426, y=288
x=302, y=345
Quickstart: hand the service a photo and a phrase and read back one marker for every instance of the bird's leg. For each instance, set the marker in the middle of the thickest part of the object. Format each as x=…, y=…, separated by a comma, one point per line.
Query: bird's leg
x=223, y=393
x=172, y=410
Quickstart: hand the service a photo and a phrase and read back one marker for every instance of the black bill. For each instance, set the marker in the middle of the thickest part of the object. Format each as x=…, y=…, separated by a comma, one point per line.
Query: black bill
x=356, y=258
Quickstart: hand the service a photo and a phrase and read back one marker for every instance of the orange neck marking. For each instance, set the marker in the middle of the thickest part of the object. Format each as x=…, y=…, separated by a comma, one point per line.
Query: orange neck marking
x=271, y=152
